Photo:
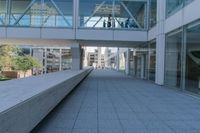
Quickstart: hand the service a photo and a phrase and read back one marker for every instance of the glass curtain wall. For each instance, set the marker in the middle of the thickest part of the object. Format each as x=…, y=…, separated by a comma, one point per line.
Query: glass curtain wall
x=182, y=61
x=152, y=13
x=113, y=14
x=3, y=11
x=53, y=59
x=66, y=59
x=174, y=5
x=192, y=72
x=173, y=59
x=38, y=13
x=132, y=62
x=152, y=60
x=138, y=62
x=145, y=52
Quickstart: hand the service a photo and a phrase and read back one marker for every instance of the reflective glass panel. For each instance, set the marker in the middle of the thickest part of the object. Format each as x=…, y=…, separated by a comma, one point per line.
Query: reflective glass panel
x=153, y=12
x=112, y=14
x=46, y=13
x=152, y=61
x=192, y=78
x=173, y=6
x=173, y=59
x=66, y=59
x=3, y=11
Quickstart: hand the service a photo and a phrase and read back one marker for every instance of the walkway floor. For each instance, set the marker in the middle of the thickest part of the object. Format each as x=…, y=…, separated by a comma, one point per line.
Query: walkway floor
x=109, y=102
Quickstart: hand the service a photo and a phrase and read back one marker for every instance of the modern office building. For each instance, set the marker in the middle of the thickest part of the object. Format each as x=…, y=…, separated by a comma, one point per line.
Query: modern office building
x=161, y=37
x=95, y=58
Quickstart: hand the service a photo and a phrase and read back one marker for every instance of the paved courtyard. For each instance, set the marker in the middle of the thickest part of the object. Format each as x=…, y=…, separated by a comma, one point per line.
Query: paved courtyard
x=109, y=102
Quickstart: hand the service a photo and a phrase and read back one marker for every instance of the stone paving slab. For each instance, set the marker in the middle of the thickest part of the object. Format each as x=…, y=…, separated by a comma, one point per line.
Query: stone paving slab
x=110, y=102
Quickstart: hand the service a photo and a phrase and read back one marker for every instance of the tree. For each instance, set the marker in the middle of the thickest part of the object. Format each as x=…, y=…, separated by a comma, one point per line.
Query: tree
x=25, y=63
x=7, y=56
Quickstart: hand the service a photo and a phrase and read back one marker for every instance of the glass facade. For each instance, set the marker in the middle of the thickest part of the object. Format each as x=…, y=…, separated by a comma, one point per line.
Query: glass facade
x=173, y=59
x=36, y=13
x=152, y=60
x=182, y=61
x=138, y=62
x=53, y=59
x=192, y=72
x=174, y=5
x=3, y=10
x=152, y=13
x=66, y=59
x=113, y=14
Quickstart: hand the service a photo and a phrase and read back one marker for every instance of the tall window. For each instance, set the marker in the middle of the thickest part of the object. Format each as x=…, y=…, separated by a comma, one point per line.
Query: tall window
x=153, y=13
x=192, y=74
x=173, y=59
x=113, y=14
x=152, y=61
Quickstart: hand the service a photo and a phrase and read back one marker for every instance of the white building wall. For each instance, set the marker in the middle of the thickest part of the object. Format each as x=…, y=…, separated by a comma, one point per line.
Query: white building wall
x=186, y=15
x=160, y=42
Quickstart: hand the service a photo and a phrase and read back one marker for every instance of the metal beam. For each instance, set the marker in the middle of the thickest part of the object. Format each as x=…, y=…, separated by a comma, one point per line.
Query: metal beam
x=26, y=10
x=13, y=17
x=8, y=6
x=122, y=3
x=46, y=19
x=95, y=12
x=1, y=21
x=60, y=12
x=113, y=14
x=97, y=22
x=117, y=21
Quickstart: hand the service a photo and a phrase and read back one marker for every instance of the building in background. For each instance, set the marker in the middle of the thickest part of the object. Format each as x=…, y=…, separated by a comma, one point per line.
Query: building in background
x=53, y=59
x=161, y=37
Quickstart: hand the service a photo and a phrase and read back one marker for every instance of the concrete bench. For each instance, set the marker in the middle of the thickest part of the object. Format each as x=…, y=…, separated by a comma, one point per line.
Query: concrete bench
x=25, y=102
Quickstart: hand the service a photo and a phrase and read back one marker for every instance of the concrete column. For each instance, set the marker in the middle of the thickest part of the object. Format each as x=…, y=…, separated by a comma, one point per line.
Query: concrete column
x=160, y=42
x=142, y=67
x=45, y=64
x=76, y=56
x=117, y=59
x=60, y=62
x=127, y=70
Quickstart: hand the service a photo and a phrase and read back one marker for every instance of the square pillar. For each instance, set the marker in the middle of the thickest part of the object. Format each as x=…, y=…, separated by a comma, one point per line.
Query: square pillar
x=160, y=42
x=127, y=70
x=76, y=56
x=117, y=59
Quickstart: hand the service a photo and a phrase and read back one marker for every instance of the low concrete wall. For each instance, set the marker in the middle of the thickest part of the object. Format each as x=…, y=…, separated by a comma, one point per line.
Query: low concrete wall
x=25, y=102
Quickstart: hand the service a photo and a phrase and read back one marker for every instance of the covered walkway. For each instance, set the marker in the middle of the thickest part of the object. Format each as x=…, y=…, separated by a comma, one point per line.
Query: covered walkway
x=109, y=102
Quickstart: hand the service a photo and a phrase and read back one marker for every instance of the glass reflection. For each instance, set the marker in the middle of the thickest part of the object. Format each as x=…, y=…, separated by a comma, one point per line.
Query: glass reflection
x=153, y=12
x=173, y=59
x=174, y=5
x=112, y=14
x=66, y=58
x=138, y=62
x=192, y=78
x=152, y=61
x=46, y=13
x=3, y=11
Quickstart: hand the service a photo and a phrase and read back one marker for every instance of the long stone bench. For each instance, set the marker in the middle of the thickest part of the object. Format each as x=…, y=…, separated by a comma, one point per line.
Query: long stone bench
x=25, y=102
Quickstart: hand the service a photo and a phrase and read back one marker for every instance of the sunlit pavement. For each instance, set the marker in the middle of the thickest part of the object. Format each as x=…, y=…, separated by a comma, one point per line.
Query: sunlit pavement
x=110, y=102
